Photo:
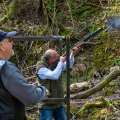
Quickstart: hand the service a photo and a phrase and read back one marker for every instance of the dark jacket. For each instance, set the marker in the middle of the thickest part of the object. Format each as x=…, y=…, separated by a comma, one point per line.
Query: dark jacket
x=15, y=92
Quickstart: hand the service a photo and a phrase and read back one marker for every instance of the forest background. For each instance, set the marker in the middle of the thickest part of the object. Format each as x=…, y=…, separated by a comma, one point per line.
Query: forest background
x=73, y=18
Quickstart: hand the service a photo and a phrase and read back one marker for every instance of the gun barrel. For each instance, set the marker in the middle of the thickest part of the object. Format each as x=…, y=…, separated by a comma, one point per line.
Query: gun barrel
x=91, y=35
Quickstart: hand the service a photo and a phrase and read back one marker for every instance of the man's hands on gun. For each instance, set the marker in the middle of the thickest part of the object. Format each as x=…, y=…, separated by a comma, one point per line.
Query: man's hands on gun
x=75, y=50
x=46, y=91
x=62, y=59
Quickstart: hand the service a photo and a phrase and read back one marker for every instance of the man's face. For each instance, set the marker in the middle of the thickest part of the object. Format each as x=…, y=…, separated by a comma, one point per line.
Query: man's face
x=6, y=48
x=54, y=65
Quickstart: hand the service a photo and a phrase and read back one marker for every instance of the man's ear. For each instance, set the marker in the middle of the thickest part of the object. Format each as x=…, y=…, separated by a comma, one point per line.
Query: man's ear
x=2, y=48
x=47, y=58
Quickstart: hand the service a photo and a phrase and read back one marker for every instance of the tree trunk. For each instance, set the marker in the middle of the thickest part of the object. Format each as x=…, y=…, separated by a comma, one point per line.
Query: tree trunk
x=113, y=75
x=29, y=10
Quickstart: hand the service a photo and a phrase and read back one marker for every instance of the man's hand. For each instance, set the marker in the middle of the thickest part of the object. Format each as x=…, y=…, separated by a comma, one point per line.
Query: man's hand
x=62, y=59
x=75, y=50
x=47, y=92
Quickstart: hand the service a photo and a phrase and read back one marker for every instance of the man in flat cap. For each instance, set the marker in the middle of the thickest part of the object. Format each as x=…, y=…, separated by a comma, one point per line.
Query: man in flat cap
x=15, y=92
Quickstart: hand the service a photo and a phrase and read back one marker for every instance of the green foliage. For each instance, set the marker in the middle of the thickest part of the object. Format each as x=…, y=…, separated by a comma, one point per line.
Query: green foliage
x=117, y=61
x=10, y=12
x=75, y=12
x=66, y=31
x=96, y=110
x=110, y=89
x=103, y=57
x=50, y=5
x=82, y=10
x=90, y=73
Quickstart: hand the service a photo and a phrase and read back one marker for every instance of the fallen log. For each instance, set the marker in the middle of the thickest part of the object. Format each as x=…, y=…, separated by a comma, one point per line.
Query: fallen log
x=77, y=87
x=111, y=76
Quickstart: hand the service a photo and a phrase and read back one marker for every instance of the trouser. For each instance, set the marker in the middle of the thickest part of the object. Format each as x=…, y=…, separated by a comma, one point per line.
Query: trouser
x=47, y=113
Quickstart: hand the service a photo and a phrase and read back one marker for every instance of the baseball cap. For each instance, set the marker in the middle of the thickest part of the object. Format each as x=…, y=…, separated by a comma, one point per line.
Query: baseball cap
x=4, y=35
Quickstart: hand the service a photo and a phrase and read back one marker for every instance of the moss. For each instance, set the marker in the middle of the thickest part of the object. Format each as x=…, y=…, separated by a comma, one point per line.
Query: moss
x=95, y=110
x=100, y=114
x=103, y=56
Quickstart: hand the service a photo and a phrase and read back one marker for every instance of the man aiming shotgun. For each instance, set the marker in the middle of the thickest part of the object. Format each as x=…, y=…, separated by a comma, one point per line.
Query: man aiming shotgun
x=49, y=73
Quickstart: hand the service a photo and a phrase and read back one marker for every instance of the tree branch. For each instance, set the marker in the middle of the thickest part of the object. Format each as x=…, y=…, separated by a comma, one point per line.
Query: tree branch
x=111, y=76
